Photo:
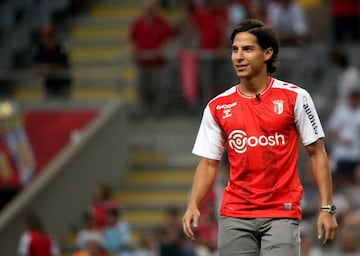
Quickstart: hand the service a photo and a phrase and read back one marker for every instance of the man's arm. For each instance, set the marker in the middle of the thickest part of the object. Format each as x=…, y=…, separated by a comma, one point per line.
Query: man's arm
x=204, y=179
x=321, y=171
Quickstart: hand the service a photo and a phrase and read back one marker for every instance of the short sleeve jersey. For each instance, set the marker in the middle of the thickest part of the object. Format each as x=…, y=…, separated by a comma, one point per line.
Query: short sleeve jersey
x=34, y=243
x=261, y=134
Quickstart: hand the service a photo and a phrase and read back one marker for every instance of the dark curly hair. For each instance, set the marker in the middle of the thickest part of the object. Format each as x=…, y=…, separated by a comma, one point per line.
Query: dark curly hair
x=266, y=38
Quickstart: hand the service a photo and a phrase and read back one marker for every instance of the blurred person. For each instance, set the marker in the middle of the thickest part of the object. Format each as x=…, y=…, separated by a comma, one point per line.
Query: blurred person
x=351, y=192
x=261, y=121
x=348, y=243
x=207, y=232
x=238, y=11
x=308, y=246
x=148, y=245
x=310, y=199
x=257, y=10
x=88, y=229
x=50, y=59
x=345, y=19
x=171, y=238
x=117, y=234
x=35, y=241
x=348, y=75
x=344, y=131
x=288, y=19
x=173, y=218
x=101, y=202
x=149, y=34
x=205, y=34
x=170, y=242
x=93, y=246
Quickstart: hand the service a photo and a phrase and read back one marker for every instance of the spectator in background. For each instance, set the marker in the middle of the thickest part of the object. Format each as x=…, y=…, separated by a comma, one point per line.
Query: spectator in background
x=149, y=35
x=308, y=245
x=102, y=201
x=257, y=10
x=207, y=232
x=288, y=19
x=348, y=243
x=171, y=233
x=348, y=74
x=148, y=245
x=50, y=60
x=35, y=241
x=88, y=229
x=116, y=235
x=206, y=32
x=345, y=17
x=93, y=246
x=344, y=131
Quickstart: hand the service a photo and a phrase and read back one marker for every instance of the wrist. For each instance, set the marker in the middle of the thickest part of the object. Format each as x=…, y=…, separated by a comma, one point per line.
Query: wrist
x=328, y=208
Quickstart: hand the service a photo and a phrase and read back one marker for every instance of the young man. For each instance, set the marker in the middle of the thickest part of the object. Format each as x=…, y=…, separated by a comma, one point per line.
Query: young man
x=260, y=121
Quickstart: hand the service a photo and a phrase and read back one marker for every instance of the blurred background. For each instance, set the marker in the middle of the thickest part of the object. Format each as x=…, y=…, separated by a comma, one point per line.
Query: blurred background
x=100, y=102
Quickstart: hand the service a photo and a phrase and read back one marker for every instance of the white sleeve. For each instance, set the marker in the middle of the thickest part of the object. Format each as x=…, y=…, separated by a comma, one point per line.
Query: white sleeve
x=306, y=119
x=210, y=140
x=23, y=248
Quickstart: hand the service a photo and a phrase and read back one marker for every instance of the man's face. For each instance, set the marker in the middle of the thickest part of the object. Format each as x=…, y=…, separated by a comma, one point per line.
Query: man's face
x=248, y=57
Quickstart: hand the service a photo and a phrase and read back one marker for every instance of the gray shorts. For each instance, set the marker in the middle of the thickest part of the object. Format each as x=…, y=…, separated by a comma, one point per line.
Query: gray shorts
x=260, y=236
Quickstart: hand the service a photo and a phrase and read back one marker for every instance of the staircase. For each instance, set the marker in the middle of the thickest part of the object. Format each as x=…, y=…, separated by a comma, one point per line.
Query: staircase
x=162, y=169
x=100, y=53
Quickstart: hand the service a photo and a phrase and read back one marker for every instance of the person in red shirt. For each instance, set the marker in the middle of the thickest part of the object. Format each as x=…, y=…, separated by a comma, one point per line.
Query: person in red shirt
x=149, y=34
x=102, y=201
x=205, y=33
x=260, y=121
x=35, y=241
x=345, y=20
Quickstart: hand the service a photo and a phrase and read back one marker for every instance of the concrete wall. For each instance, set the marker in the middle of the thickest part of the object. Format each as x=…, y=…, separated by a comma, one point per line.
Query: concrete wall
x=60, y=194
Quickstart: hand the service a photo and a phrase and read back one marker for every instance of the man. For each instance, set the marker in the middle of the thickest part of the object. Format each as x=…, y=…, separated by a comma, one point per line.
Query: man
x=51, y=60
x=344, y=127
x=150, y=33
x=35, y=241
x=260, y=121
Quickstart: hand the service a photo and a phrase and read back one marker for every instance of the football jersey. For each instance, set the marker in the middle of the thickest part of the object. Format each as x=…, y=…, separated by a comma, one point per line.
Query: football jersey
x=261, y=134
x=35, y=243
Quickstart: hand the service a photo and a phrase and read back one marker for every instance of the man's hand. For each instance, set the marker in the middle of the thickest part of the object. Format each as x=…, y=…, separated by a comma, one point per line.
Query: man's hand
x=327, y=224
x=191, y=218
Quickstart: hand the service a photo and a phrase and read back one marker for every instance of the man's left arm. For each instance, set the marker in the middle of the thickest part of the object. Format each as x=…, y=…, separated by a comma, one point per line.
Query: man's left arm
x=327, y=225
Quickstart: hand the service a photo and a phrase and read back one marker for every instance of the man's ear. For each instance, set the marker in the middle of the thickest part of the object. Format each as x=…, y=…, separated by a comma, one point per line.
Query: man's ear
x=268, y=53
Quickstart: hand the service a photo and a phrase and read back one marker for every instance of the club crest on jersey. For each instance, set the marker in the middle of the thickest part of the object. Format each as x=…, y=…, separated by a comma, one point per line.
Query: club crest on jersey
x=278, y=106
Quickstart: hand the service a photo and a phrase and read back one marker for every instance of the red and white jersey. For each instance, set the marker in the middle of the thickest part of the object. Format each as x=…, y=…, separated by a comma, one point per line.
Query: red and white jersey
x=35, y=243
x=261, y=134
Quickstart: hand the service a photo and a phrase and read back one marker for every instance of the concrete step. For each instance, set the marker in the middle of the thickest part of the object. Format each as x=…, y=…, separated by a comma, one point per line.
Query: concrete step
x=152, y=197
x=111, y=11
x=100, y=33
x=98, y=54
x=92, y=76
x=87, y=20
x=160, y=178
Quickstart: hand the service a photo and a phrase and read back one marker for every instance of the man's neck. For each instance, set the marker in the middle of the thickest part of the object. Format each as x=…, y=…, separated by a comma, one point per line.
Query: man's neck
x=251, y=87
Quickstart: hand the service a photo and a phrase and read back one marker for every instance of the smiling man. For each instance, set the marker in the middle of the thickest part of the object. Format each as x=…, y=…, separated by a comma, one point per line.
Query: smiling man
x=260, y=121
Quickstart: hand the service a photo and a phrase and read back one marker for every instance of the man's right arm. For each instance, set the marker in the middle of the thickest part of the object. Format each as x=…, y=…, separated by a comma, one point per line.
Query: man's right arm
x=204, y=179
